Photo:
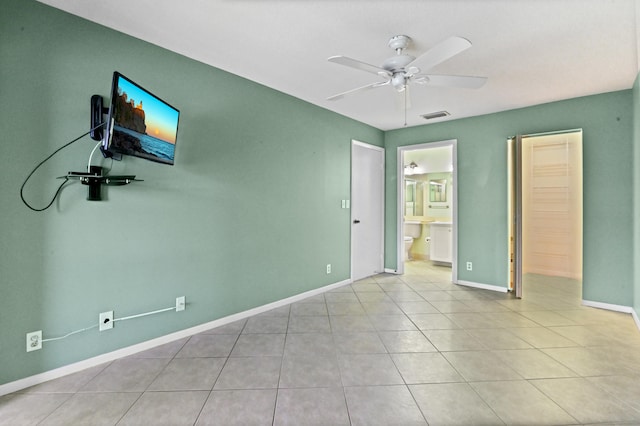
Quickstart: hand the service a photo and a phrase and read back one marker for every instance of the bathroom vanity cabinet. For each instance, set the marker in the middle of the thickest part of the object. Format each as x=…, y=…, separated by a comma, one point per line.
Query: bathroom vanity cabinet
x=441, y=242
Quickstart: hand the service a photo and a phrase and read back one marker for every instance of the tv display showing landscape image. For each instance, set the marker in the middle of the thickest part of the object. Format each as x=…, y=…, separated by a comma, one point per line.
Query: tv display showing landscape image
x=143, y=125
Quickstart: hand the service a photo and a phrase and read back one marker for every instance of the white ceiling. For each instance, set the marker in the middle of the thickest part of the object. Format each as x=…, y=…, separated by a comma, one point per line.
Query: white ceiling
x=532, y=51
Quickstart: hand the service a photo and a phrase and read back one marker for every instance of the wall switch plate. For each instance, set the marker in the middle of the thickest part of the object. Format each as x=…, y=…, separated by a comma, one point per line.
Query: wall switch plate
x=348, y=203
x=469, y=266
x=344, y=204
x=34, y=340
x=105, y=320
x=328, y=268
x=181, y=303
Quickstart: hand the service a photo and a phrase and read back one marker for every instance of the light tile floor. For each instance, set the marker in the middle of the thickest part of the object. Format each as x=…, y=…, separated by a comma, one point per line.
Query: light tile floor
x=387, y=350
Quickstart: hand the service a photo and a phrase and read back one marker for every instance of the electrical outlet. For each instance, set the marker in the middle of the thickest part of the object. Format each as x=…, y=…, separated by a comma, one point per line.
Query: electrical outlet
x=105, y=320
x=181, y=303
x=328, y=268
x=469, y=266
x=34, y=340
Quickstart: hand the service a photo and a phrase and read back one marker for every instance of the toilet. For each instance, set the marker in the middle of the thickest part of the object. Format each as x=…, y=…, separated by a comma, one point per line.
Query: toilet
x=412, y=230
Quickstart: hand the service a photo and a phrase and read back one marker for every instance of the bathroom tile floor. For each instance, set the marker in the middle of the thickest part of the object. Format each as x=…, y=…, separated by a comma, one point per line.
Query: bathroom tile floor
x=387, y=350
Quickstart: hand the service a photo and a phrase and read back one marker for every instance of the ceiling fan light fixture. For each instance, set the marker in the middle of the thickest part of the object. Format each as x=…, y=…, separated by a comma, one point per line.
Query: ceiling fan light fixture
x=399, y=81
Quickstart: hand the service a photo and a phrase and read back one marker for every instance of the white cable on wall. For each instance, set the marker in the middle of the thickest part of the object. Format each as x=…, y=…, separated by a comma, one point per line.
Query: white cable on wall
x=91, y=156
x=51, y=339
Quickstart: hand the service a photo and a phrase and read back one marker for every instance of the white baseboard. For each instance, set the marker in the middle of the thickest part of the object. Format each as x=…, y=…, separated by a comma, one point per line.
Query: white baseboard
x=616, y=308
x=37, y=379
x=482, y=286
x=390, y=271
x=608, y=306
x=634, y=314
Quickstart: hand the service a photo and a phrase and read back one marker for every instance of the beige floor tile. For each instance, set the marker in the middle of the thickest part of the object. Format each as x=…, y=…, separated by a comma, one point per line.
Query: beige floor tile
x=105, y=408
x=318, y=406
x=533, y=364
x=625, y=388
x=239, y=408
x=382, y=405
x=453, y=404
x=586, y=402
x=498, y=338
x=541, y=337
x=165, y=409
x=587, y=361
x=520, y=403
x=453, y=340
x=478, y=366
x=419, y=368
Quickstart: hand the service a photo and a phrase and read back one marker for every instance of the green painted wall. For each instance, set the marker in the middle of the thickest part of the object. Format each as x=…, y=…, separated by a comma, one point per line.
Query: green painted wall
x=250, y=213
x=482, y=188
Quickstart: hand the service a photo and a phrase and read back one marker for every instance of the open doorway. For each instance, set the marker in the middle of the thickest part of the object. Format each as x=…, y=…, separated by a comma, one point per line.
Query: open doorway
x=427, y=208
x=545, y=232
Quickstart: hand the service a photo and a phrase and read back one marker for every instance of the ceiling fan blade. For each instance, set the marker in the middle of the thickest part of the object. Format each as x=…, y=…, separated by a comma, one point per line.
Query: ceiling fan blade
x=463, y=81
x=358, y=89
x=441, y=52
x=359, y=65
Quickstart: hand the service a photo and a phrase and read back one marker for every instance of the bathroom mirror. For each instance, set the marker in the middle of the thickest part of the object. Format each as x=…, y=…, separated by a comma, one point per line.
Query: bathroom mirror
x=414, y=196
x=438, y=190
x=409, y=197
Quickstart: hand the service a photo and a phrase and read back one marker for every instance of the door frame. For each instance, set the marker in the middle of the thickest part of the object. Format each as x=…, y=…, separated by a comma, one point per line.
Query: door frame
x=454, y=203
x=354, y=143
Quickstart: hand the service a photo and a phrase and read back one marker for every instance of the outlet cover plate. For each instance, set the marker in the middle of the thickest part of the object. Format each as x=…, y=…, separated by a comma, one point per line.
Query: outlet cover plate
x=328, y=268
x=469, y=266
x=181, y=303
x=34, y=341
x=105, y=321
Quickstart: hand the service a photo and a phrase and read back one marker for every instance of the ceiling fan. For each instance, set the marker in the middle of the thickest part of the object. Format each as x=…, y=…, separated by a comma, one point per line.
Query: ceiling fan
x=402, y=69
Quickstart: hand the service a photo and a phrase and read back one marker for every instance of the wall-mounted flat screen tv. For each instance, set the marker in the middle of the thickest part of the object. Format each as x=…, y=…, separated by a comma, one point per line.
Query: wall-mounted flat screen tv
x=139, y=123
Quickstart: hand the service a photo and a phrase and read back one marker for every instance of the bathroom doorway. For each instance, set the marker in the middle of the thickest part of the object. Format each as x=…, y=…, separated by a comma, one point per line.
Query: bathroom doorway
x=427, y=199
x=545, y=209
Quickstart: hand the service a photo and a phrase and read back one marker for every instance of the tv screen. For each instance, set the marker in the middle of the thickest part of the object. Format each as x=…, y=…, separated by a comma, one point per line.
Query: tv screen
x=139, y=123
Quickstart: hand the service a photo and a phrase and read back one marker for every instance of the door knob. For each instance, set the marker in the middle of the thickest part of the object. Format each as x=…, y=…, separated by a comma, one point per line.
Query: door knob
x=356, y=221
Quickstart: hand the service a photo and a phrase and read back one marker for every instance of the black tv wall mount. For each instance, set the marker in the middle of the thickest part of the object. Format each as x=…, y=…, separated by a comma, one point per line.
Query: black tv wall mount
x=94, y=179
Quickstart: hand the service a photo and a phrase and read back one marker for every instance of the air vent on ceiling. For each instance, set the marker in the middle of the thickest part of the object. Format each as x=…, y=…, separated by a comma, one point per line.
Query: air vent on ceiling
x=433, y=115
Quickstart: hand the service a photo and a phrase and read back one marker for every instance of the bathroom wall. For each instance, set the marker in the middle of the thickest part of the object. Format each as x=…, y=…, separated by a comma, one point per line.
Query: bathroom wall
x=421, y=247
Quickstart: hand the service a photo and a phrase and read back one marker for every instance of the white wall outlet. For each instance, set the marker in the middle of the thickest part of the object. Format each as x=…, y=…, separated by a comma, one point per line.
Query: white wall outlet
x=469, y=266
x=181, y=303
x=34, y=340
x=105, y=320
x=328, y=268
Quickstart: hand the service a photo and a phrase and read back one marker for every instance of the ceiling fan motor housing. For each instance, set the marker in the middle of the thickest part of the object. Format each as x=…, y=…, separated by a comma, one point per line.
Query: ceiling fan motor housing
x=397, y=63
x=399, y=42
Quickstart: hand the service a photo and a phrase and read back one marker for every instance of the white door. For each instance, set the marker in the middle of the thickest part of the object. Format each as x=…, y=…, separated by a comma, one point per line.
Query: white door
x=367, y=210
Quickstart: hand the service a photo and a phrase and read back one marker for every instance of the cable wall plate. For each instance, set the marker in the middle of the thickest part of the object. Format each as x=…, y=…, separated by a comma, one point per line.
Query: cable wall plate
x=105, y=320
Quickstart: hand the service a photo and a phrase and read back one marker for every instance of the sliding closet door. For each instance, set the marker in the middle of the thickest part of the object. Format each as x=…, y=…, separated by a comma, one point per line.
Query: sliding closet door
x=552, y=205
